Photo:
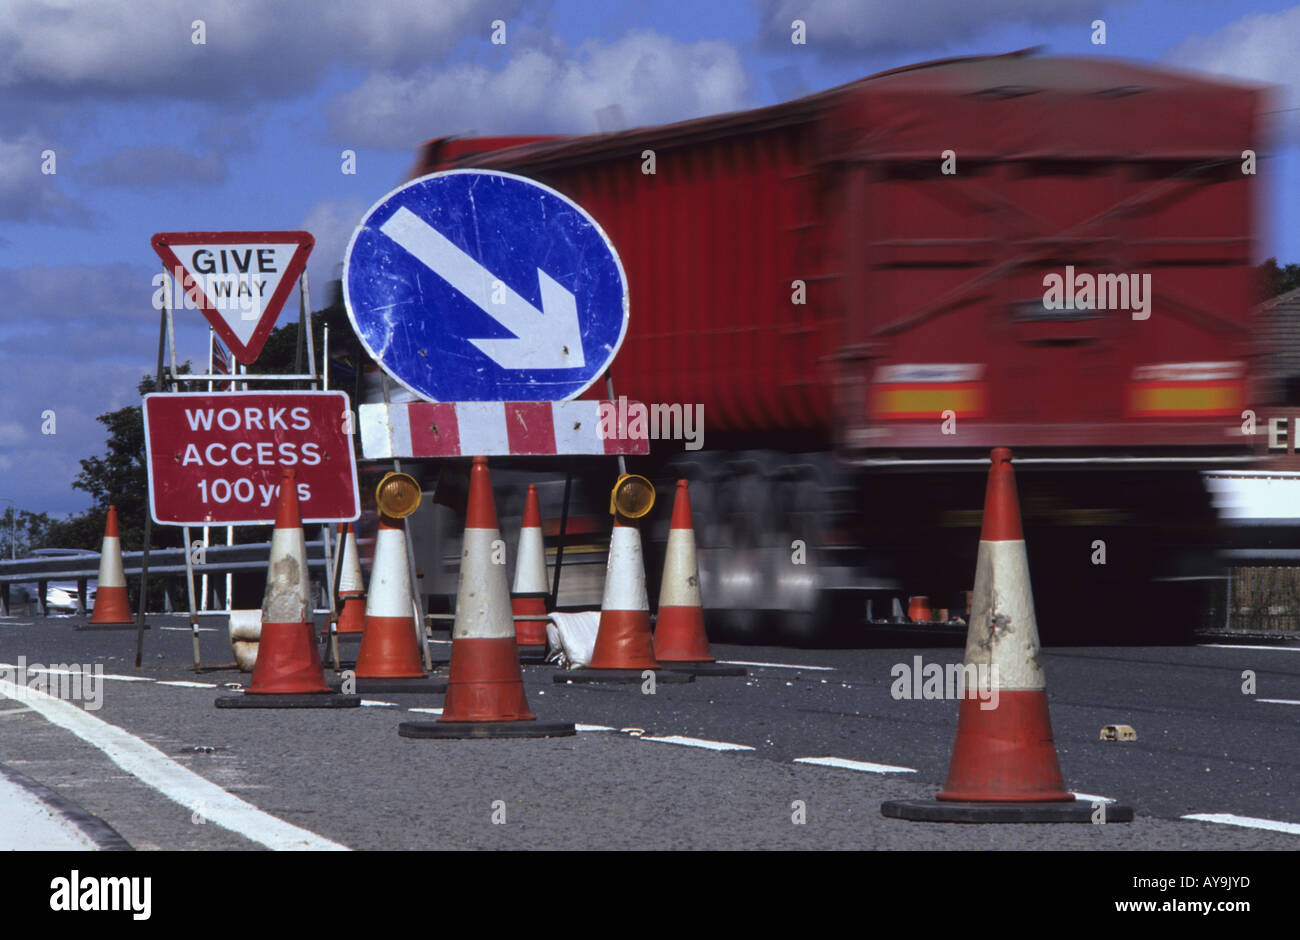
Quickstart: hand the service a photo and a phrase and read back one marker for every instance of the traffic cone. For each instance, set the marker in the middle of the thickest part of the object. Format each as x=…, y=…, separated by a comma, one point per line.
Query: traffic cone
x=111, y=605
x=530, y=593
x=352, y=589
x=485, y=688
x=680, y=641
x=918, y=609
x=624, y=645
x=1004, y=766
x=288, y=671
x=389, y=659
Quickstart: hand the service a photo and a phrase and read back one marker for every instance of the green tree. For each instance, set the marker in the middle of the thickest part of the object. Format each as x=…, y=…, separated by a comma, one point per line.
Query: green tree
x=21, y=531
x=1275, y=279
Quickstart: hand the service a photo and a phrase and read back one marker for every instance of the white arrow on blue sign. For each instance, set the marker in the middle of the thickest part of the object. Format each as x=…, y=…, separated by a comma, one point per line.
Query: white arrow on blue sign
x=474, y=285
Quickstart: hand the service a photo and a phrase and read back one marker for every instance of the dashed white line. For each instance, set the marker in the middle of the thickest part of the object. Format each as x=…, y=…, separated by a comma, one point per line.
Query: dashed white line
x=184, y=684
x=377, y=704
x=1248, y=646
x=128, y=678
x=1249, y=822
x=860, y=765
x=180, y=784
x=593, y=728
x=742, y=662
x=1280, y=701
x=700, y=742
x=1090, y=798
x=198, y=629
x=427, y=711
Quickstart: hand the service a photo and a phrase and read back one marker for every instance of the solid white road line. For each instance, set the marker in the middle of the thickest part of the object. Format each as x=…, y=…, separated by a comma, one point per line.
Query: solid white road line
x=1249, y=822
x=152, y=767
x=1247, y=646
x=700, y=742
x=28, y=824
x=864, y=766
x=1279, y=701
x=742, y=662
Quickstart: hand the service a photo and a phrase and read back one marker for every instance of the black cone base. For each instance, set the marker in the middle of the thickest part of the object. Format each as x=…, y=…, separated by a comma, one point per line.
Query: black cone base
x=1075, y=811
x=288, y=700
x=705, y=669
x=622, y=676
x=485, y=729
x=393, y=686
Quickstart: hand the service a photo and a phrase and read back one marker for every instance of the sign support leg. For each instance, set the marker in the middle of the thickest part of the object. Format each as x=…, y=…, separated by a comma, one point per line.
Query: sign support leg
x=559, y=545
x=148, y=516
x=332, y=622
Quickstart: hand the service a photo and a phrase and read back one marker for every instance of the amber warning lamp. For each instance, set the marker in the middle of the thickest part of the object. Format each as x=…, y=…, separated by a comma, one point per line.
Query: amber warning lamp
x=633, y=496
x=398, y=495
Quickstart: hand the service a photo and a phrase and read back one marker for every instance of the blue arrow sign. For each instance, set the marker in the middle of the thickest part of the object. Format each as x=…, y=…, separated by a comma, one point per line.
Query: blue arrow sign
x=473, y=285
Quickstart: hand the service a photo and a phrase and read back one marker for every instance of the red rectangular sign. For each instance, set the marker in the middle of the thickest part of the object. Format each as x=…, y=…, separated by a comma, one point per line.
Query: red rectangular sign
x=217, y=459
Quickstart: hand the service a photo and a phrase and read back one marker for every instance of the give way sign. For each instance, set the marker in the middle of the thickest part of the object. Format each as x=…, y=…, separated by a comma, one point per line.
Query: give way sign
x=238, y=280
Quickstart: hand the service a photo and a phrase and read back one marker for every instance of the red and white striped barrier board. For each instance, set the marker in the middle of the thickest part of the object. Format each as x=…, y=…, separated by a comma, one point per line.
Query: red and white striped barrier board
x=494, y=429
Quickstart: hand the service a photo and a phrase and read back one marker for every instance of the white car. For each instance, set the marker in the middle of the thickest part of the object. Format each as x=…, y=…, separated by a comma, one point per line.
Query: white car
x=60, y=596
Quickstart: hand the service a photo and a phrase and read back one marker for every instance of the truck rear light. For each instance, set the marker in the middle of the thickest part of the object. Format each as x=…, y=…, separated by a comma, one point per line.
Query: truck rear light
x=1187, y=390
x=924, y=391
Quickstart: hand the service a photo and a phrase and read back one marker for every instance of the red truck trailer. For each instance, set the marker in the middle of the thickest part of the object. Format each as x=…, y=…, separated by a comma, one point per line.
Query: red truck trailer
x=867, y=288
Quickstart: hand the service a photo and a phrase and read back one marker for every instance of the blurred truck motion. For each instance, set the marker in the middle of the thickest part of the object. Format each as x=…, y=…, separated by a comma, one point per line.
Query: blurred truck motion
x=868, y=288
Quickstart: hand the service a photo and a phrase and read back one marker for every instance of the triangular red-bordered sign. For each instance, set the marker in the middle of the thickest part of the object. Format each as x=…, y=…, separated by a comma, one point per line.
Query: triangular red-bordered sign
x=232, y=278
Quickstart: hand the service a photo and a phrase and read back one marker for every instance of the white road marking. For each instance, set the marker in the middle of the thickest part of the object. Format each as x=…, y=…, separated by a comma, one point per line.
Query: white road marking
x=1249, y=822
x=864, y=766
x=593, y=728
x=701, y=742
x=377, y=704
x=1279, y=701
x=128, y=678
x=1247, y=646
x=187, y=629
x=742, y=662
x=1090, y=798
x=179, y=784
x=183, y=684
x=427, y=711
x=5, y=713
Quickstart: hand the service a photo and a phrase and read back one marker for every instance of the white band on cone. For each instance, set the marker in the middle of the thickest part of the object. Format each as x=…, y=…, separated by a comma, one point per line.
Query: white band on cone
x=288, y=586
x=681, y=585
x=1003, y=633
x=390, y=578
x=482, y=598
x=350, y=578
x=530, y=563
x=110, y=563
x=625, y=574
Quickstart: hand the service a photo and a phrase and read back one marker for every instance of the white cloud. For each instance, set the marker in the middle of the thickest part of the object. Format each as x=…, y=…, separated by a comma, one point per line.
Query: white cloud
x=849, y=27
x=27, y=194
x=1260, y=47
x=332, y=222
x=650, y=78
x=263, y=47
x=160, y=165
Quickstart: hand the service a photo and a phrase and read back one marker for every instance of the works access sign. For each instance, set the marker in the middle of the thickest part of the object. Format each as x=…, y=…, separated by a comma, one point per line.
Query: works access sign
x=217, y=459
x=238, y=280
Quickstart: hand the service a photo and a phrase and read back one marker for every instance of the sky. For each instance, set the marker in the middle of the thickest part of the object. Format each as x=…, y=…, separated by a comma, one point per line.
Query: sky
x=152, y=130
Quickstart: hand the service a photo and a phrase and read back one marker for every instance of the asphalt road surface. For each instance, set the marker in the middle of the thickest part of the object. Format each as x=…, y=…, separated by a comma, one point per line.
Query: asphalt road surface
x=721, y=763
